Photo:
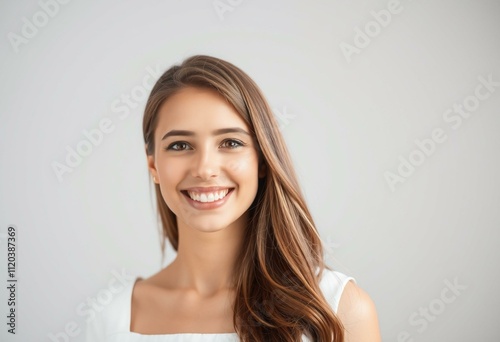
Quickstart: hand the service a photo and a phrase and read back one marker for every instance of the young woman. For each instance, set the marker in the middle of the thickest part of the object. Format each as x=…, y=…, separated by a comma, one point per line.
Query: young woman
x=249, y=264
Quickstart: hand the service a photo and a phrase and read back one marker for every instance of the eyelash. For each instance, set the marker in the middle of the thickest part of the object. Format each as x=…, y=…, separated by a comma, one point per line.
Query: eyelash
x=184, y=142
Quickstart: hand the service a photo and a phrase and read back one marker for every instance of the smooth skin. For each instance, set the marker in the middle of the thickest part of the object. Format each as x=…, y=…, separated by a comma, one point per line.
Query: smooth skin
x=193, y=291
x=358, y=314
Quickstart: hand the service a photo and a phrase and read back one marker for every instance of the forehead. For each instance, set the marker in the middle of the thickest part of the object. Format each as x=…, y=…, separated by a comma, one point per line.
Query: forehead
x=198, y=109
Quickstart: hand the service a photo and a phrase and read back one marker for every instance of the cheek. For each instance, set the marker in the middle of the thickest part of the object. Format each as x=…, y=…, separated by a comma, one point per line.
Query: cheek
x=170, y=172
x=245, y=165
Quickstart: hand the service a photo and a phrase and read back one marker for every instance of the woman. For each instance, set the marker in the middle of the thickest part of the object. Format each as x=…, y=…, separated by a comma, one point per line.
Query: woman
x=249, y=264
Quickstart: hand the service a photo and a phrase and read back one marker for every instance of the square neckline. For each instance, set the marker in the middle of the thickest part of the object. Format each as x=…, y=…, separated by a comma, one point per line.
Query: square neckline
x=129, y=320
x=328, y=279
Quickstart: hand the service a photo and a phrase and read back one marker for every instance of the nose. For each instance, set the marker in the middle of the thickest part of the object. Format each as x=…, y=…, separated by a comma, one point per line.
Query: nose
x=206, y=164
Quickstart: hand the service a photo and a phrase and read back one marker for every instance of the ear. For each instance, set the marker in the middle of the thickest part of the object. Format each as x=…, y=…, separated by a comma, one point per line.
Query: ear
x=152, y=167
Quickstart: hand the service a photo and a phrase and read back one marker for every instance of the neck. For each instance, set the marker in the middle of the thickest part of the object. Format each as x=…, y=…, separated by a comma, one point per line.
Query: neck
x=205, y=260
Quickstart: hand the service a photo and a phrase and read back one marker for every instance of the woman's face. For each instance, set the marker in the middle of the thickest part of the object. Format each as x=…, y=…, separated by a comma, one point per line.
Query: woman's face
x=205, y=160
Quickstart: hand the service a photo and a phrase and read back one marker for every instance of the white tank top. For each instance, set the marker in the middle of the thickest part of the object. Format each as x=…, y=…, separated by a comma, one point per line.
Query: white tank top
x=112, y=324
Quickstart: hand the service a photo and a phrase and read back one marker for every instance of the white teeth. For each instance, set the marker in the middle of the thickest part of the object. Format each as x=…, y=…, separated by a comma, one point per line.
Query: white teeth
x=208, y=197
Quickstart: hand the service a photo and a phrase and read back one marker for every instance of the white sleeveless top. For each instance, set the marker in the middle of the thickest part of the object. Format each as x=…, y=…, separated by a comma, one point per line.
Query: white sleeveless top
x=112, y=324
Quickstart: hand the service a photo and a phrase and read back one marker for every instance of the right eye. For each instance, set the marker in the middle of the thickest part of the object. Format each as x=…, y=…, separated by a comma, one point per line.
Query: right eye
x=178, y=146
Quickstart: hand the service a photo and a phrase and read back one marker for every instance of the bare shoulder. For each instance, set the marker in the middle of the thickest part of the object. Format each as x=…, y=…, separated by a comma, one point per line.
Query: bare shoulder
x=146, y=288
x=145, y=303
x=145, y=293
x=358, y=314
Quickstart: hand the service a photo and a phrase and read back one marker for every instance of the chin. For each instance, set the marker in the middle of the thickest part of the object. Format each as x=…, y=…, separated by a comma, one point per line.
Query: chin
x=208, y=227
x=211, y=229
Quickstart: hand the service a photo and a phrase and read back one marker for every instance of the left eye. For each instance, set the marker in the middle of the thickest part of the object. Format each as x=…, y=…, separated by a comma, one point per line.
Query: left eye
x=178, y=146
x=231, y=143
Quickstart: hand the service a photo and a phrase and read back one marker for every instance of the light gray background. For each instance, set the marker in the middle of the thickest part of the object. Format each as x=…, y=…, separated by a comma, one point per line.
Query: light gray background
x=346, y=124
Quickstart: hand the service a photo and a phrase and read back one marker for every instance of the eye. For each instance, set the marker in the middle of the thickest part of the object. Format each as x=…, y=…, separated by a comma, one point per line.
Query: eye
x=232, y=143
x=178, y=146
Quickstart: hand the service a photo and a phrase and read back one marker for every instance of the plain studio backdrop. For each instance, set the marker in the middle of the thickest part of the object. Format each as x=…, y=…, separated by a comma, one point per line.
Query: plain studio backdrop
x=390, y=110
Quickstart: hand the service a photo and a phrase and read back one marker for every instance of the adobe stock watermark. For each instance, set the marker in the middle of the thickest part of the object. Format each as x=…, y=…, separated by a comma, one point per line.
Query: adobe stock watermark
x=424, y=316
x=223, y=6
x=329, y=247
x=93, y=137
x=31, y=26
x=93, y=305
x=283, y=117
x=454, y=116
x=371, y=30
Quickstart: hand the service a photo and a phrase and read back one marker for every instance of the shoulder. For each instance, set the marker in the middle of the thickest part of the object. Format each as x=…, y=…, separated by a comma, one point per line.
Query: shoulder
x=143, y=295
x=332, y=285
x=358, y=314
x=146, y=290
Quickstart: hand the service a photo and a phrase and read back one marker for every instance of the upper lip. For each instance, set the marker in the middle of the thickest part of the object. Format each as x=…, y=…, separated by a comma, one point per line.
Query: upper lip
x=208, y=189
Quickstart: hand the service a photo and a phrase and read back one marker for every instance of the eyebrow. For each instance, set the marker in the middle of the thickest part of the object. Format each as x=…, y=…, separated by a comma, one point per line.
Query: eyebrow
x=220, y=131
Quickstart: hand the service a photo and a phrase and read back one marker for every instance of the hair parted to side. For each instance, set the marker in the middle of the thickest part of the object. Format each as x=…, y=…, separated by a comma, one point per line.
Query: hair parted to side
x=277, y=273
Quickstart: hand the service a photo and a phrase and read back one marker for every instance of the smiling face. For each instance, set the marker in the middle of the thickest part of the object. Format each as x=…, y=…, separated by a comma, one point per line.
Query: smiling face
x=205, y=160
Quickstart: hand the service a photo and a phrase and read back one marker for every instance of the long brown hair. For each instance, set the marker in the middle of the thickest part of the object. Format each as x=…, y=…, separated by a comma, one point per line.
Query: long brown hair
x=277, y=273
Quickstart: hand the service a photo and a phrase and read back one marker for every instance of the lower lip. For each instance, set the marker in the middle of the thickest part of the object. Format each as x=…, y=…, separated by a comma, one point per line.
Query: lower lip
x=208, y=205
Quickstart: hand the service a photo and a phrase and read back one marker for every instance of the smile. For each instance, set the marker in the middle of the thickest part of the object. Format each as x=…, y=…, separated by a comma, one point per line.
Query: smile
x=207, y=200
x=205, y=197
